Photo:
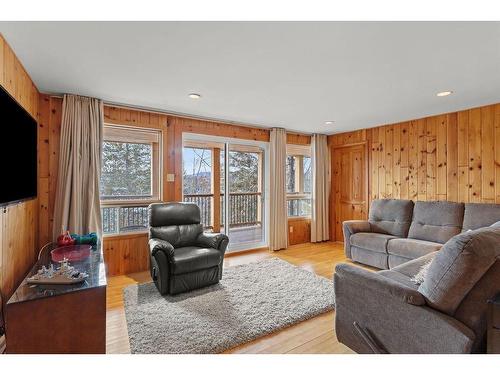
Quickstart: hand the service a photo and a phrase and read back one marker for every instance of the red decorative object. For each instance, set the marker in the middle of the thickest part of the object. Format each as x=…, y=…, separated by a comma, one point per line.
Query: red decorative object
x=71, y=253
x=65, y=240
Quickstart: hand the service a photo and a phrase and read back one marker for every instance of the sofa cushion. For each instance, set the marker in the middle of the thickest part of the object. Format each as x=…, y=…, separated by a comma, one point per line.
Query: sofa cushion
x=458, y=266
x=391, y=216
x=406, y=271
x=399, y=277
x=192, y=258
x=436, y=221
x=371, y=241
x=411, y=248
x=478, y=215
x=412, y=267
x=396, y=260
x=370, y=258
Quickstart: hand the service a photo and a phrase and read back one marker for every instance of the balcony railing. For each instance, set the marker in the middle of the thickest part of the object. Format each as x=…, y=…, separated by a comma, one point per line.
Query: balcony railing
x=204, y=201
x=124, y=219
x=245, y=209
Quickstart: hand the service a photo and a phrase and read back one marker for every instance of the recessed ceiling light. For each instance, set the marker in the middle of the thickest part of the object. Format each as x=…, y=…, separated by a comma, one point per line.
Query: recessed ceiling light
x=444, y=93
x=328, y=122
x=194, y=96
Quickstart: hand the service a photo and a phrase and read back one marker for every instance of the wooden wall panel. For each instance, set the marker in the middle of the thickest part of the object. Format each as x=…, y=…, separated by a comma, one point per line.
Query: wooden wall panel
x=475, y=180
x=413, y=161
x=18, y=222
x=487, y=154
x=300, y=231
x=126, y=254
x=497, y=153
x=430, y=166
x=49, y=129
x=454, y=156
x=451, y=166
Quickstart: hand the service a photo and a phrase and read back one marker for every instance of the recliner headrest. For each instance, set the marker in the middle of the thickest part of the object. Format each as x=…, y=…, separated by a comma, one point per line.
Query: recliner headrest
x=173, y=213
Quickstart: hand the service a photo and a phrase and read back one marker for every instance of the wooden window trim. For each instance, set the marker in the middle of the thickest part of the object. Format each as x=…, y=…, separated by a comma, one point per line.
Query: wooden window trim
x=154, y=137
x=123, y=134
x=299, y=151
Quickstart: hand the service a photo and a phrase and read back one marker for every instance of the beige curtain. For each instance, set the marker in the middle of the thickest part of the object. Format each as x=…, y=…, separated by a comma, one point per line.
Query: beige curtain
x=278, y=238
x=77, y=206
x=320, y=159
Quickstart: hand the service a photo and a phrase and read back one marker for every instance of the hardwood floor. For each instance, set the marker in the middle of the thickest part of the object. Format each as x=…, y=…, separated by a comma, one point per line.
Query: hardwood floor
x=315, y=335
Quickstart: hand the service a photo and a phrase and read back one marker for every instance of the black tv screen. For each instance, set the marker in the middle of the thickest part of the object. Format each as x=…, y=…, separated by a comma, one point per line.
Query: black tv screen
x=18, y=155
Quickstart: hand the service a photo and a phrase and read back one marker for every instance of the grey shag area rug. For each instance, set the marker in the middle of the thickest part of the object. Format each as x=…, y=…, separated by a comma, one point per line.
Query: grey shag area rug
x=251, y=300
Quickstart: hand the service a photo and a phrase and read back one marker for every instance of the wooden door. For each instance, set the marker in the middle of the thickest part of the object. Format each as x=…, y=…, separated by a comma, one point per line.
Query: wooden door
x=350, y=186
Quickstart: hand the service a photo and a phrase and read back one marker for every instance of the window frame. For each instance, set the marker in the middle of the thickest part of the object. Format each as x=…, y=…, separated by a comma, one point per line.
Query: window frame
x=298, y=151
x=145, y=135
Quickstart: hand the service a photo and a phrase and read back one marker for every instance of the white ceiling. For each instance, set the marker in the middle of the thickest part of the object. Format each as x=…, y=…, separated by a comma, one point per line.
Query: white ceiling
x=295, y=75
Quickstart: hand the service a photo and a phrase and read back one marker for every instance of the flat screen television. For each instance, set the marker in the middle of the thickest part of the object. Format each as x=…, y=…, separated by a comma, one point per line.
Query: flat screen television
x=18, y=152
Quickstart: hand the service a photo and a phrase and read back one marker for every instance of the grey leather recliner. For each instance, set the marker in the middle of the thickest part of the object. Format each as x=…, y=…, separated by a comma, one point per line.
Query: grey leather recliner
x=182, y=257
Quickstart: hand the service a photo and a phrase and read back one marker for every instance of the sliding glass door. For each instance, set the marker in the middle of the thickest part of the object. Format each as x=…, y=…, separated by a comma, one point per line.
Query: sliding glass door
x=245, y=185
x=227, y=179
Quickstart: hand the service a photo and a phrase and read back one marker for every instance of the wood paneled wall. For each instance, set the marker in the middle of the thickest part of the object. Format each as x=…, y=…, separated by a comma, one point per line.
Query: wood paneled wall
x=453, y=156
x=49, y=132
x=18, y=222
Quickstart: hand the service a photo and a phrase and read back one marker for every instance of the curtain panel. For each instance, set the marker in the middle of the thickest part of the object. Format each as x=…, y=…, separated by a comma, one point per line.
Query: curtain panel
x=320, y=158
x=77, y=206
x=278, y=238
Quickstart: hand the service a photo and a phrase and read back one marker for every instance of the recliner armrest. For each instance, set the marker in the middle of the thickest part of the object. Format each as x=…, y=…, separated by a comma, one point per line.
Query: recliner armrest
x=217, y=241
x=350, y=227
x=155, y=245
x=378, y=283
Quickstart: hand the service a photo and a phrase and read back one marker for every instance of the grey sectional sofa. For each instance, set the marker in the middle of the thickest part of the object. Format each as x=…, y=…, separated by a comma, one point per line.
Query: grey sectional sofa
x=398, y=231
x=388, y=312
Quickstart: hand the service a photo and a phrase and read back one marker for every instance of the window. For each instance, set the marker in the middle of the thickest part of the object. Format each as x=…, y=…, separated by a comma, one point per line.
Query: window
x=298, y=180
x=197, y=179
x=130, y=177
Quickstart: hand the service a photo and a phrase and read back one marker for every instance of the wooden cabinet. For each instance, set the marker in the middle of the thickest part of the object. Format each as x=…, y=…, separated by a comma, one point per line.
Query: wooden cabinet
x=59, y=318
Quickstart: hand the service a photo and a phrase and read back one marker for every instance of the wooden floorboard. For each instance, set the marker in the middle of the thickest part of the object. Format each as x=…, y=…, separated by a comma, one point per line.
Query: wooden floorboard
x=315, y=335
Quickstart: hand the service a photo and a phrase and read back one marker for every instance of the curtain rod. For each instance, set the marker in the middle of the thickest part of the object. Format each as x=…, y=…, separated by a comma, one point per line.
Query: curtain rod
x=183, y=115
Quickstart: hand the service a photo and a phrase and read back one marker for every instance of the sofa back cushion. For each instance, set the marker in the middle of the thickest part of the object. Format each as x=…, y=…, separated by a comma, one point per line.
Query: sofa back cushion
x=458, y=266
x=436, y=221
x=391, y=216
x=478, y=215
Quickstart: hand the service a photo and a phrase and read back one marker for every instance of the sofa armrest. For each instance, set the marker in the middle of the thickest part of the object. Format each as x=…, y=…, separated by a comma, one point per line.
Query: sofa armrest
x=394, y=315
x=155, y=245
x=373, y=282
x=217, y=241
x=350, y=227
